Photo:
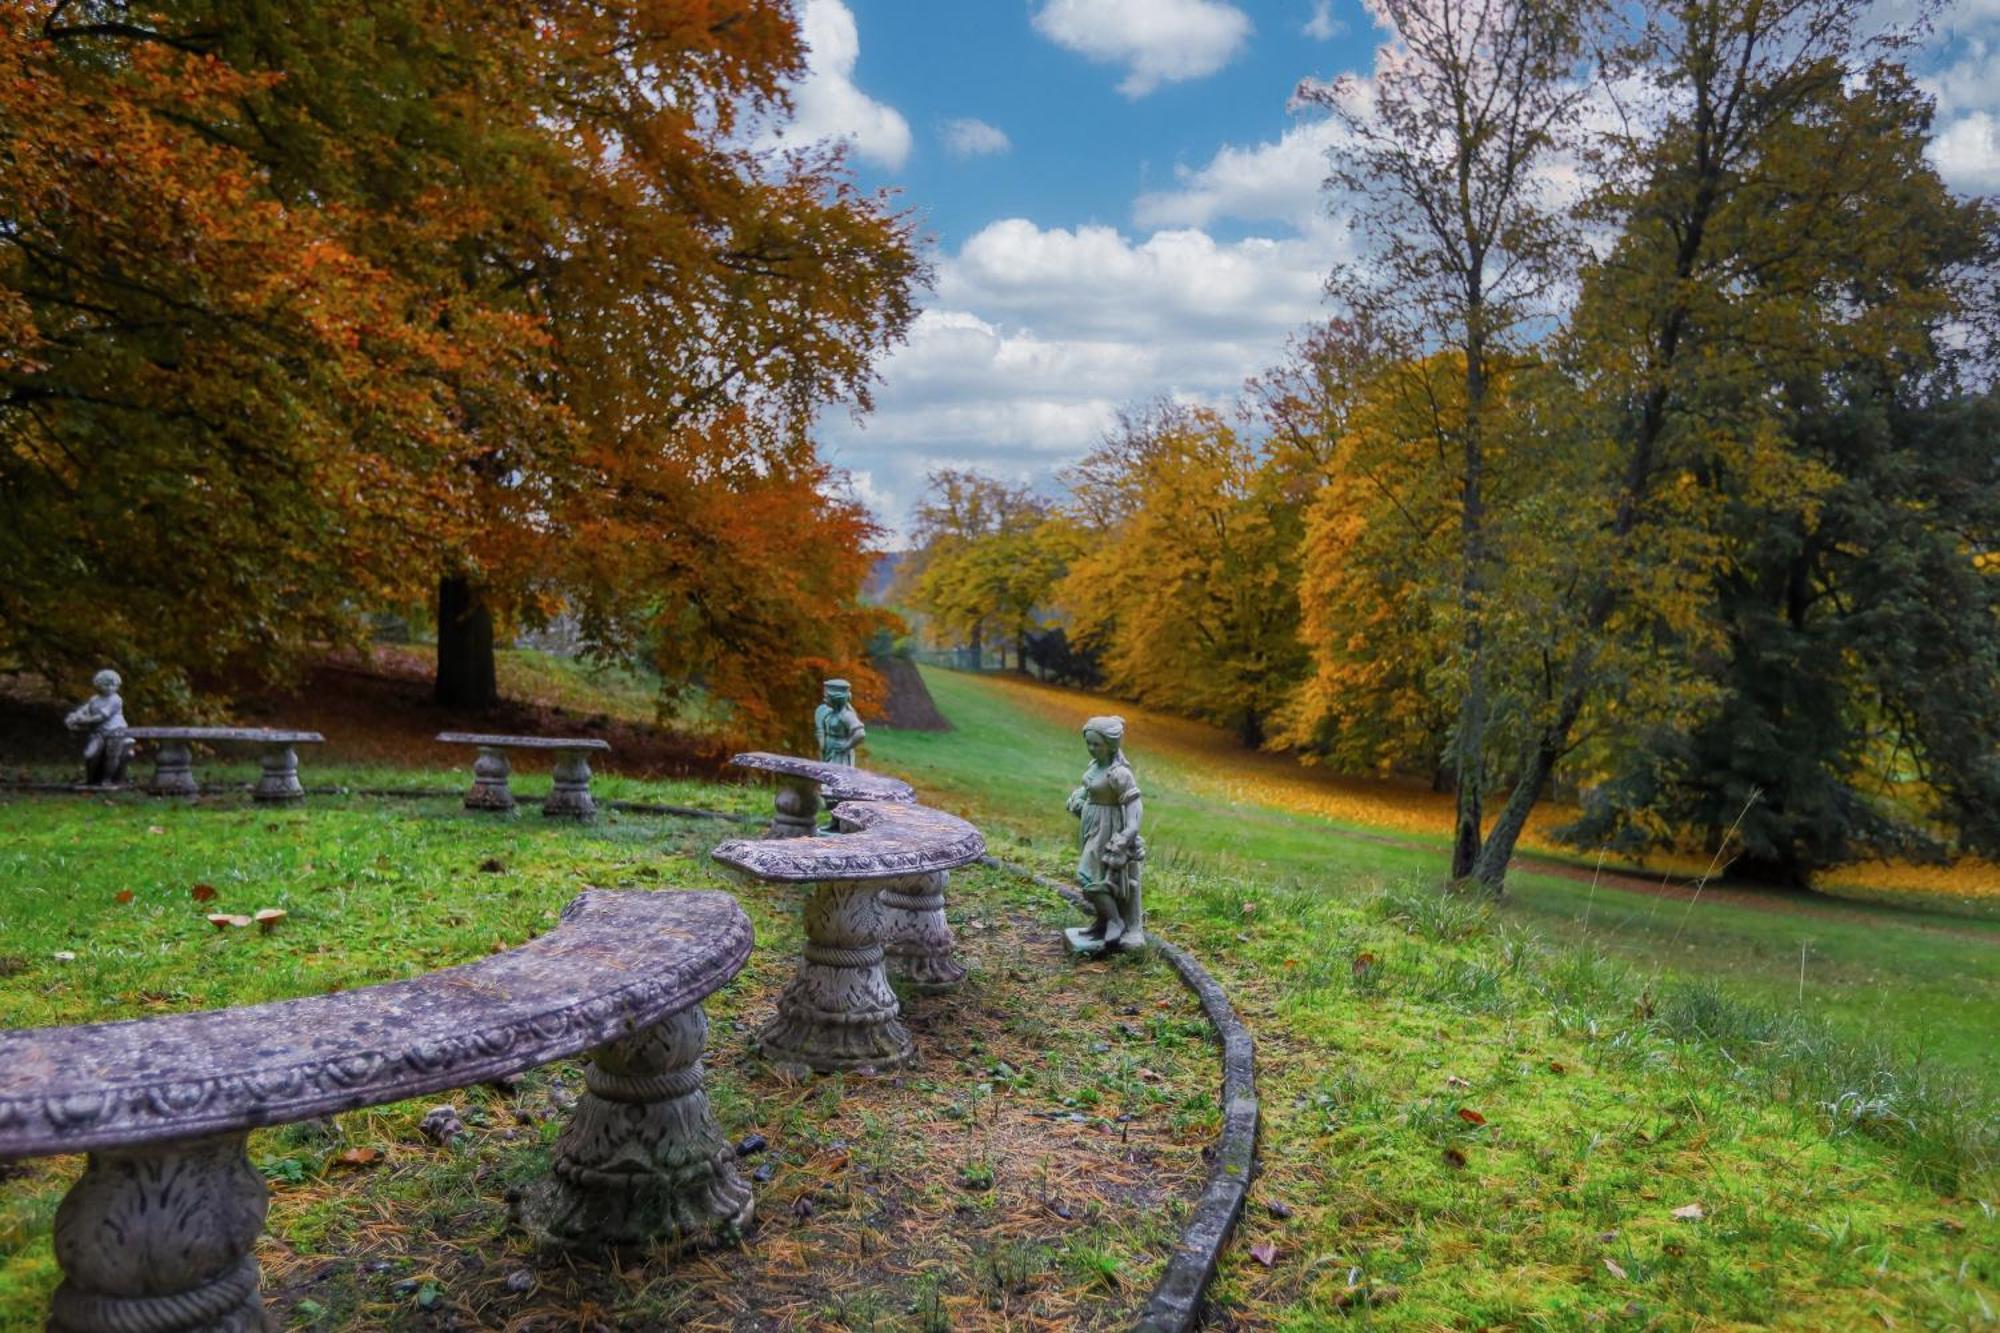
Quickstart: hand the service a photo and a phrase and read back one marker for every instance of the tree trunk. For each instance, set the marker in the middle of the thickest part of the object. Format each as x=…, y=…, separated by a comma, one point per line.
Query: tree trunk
x=1469, y=742
x=978, y=656
x=465, y=675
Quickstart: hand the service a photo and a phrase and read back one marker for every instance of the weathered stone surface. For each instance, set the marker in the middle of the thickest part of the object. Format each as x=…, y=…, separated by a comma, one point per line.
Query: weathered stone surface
x=157, y=1236
x=173, y=764
x=108, y=749
x=836, y=725
x=916, y=938
x=837, y=781
x=154, y=1080
x=900, y=840
x=569, y=798
x=1111, y=853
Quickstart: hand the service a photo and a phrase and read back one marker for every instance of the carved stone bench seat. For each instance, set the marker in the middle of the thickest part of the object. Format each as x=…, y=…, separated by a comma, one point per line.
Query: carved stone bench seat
x=803, y=782
x=570, y=797
x=838, y=1013
x=157, y=1235
x=173, y=761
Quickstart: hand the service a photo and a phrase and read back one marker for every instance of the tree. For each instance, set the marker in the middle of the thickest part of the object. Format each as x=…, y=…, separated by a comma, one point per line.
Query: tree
x=1766, y=218
x=1472, y=102
x=1189, y=595
x=987, y=557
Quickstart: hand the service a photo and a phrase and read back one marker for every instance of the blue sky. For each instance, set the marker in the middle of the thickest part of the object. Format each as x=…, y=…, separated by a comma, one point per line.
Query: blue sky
x=1120, y=206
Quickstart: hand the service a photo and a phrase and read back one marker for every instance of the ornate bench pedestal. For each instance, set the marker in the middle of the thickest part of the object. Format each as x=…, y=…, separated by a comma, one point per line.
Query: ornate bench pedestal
x=839, y=1015
x=173, y=761
x=916, y=936
x=803, y=782
x=641, y=1159
x=162, y=1238
x=569, y=798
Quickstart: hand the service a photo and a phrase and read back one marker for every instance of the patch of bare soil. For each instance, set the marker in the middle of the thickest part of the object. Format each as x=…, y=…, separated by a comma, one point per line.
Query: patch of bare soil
x=908, y=705
x=1030, y=1171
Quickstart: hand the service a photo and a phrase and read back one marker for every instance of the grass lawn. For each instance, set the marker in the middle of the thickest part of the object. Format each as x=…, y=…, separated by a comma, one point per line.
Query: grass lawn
x=1919, y=978
x=1031, y=1169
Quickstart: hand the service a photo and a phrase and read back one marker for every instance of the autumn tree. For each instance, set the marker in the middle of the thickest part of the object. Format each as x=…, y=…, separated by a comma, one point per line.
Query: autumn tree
x=1446, y=170
x=568, y=297
x=1187, y=587
x=987, y=557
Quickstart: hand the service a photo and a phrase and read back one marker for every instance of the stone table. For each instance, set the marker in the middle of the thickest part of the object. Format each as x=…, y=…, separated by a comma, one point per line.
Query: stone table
x=838, y=1014
x=914, y=930
x=568, y=799
x=173, y=763
x=158, y=1233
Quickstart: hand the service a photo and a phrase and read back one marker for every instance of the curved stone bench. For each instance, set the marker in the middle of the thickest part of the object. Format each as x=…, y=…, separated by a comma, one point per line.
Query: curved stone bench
x=915, y=934
x=568, y=799
x=158, y=1232
x=802, y=783
x=838, y=1014
x=173, y=762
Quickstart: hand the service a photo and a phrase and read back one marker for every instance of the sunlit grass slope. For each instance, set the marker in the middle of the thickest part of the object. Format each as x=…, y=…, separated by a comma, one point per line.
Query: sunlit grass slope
x=1924, y=980
x=1574, y=1111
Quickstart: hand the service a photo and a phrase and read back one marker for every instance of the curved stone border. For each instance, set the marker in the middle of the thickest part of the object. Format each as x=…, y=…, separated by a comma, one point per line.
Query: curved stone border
x=1175, y=1305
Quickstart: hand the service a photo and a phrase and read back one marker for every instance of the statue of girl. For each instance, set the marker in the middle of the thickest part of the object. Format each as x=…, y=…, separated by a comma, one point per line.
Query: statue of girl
x=1107, y=868
x=108, y=750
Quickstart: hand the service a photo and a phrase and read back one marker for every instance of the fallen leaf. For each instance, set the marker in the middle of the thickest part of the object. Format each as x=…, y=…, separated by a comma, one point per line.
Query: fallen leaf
x=1470, y=1116
x=493, y=865
x=1616, y=1271
x=202, y=893
x=1265, y=1254
x=1556, y=1067
x=64, y=956
x=1453, y=1157
x=1454, y=1081
x=1362, y=962
x=124, y=896
x=360, y=1157
x=154, y=828
x=1690, y=1212
x=1249, y=909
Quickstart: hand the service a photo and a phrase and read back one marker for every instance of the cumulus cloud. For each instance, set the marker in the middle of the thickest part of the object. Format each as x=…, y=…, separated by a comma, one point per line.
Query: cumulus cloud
x=1323, y=26
x=829, y=104
x=967, y=137
x=1274, y=181
x=1157, y=41
x=1966, y=153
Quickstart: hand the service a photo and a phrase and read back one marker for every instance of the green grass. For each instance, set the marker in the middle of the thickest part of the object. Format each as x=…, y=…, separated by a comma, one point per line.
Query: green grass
x=1924, y=981
x=1488, y=1117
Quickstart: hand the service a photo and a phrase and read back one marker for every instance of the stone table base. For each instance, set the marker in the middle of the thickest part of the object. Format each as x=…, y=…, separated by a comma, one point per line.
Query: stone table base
x=570, y=798
x=838, y=1015
x=159, y=1240
x=797, y=808
x=489, y=790
x=279, y=781
x=641, y=1159
x=173, y=770
x=915, y=936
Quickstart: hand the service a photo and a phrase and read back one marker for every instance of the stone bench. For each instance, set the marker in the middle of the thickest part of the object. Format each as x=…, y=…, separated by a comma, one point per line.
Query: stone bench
x=838, y=1014
x=914, y=930
x=802, y=783
x=158, y=1234
x=173, y=762
x=568, y=799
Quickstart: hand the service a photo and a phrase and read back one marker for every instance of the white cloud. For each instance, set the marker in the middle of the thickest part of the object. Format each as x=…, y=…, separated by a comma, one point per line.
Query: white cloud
x=1323, y=26
x=1267, y=182
x=828, y=103
x=1966, y=153
x=1158, y=41
x=967, y=137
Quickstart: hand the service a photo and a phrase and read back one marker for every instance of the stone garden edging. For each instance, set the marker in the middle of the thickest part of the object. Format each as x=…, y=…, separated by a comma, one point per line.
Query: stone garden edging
x=1175, y=1305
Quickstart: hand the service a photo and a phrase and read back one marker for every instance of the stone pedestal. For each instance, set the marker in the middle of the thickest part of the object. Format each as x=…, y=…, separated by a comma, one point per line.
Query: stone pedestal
x=489, y=790
x=569, y=798
x=173, y=770
x=159, y=1240
x=279, y=781
x=641, y=1159
x=798, y=806
x=916, y=938
x=838, y=1015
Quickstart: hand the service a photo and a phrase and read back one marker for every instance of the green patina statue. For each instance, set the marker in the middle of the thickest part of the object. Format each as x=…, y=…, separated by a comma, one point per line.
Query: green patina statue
x=837, y=725
x=1107, y=867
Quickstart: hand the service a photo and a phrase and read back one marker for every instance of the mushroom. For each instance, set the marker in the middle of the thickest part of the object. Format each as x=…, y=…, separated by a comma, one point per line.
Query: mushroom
x=268, y=919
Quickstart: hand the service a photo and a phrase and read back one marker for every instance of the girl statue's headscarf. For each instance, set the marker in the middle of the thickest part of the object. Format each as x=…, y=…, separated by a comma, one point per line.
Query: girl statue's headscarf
x=1111, y=728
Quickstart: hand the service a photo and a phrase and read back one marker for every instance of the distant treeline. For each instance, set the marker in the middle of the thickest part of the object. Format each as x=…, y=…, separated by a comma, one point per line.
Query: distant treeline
x=1651, y=453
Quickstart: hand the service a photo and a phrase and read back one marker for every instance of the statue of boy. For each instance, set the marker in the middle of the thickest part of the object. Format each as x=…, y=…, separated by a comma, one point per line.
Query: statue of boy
x=837, y=725
x=108, y=751
x=1107, y=868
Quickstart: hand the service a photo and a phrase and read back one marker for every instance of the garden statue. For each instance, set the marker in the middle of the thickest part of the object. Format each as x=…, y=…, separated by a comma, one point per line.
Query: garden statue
x=108, y=751
x=837, y=725
x=1107, y=869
